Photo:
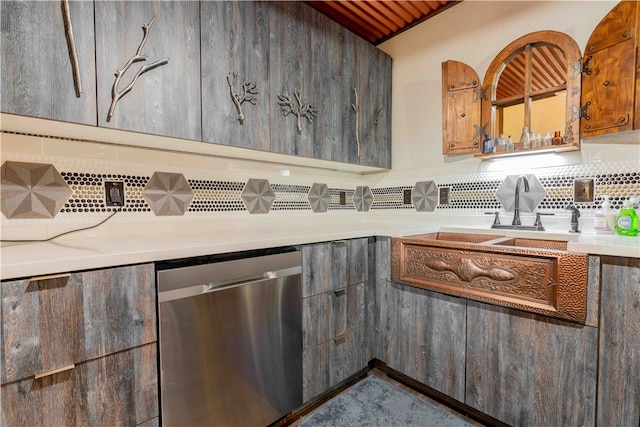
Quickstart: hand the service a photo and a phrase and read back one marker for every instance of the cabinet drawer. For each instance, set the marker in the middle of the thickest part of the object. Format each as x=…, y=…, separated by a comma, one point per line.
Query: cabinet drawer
x=327, y=364
x=333, y=313
x=51, y=323
x=119, y=389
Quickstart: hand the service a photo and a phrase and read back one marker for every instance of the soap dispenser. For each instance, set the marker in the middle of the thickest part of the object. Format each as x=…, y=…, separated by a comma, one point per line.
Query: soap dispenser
x=627, y=221
x=604, y=219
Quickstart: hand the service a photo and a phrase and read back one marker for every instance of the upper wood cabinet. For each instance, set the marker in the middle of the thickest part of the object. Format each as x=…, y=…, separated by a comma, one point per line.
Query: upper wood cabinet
x=164, y=36
x=37, y=63
x=236, y=96
x=610, y=73
x=462, y=130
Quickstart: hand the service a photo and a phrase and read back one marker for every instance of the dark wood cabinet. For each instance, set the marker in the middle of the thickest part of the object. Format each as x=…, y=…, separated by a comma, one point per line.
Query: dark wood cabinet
x=619, y=342
x=80, y=348
x=610, y=81
x=334, y=334
x=235, y=60
x=37, y=67
x=164, y=100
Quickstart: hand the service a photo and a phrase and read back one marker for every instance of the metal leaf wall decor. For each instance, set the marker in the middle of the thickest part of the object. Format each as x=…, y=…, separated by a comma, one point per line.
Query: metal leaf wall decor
x=246, y=93
x=137, y=57
x=298, y=107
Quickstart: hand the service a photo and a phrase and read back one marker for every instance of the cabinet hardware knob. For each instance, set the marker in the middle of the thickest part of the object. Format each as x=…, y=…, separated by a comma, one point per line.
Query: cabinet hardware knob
x=54, y=371
x=463, y=115
x=606, y=83
x=587, y=127
x=475, y=143
x=452, y=86
x=622, y=119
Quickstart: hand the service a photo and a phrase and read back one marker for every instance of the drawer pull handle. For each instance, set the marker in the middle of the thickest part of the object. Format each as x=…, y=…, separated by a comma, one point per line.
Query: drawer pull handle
x=54, y=371
x=339, y=338
x=50, y=277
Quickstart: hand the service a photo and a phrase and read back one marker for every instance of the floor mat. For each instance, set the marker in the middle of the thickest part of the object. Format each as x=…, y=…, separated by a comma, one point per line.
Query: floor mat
x=376, y=403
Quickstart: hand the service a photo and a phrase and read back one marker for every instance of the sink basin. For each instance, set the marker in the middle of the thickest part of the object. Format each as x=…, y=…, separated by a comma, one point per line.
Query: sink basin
x=535, y=275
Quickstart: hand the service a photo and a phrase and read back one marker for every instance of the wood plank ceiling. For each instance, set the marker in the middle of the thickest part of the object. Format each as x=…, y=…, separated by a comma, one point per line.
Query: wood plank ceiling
x=379, y=20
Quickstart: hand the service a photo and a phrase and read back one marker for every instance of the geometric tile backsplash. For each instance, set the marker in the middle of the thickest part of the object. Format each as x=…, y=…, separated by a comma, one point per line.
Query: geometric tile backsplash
x=32, y=190
x=467, y=192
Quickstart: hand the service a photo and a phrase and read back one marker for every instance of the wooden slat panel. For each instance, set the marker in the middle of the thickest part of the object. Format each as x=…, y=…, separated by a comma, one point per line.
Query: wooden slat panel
x=376, y=21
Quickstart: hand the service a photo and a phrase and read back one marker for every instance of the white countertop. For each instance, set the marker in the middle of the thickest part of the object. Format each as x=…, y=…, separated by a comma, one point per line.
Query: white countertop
x=88, y=250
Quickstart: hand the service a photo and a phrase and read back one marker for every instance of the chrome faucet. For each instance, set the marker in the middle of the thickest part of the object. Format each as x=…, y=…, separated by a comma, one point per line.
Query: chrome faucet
x=575, y=214
x=516, y=208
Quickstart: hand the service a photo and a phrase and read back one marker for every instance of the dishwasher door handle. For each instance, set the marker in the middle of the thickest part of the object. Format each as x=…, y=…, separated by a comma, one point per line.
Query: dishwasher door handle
x=191, y=291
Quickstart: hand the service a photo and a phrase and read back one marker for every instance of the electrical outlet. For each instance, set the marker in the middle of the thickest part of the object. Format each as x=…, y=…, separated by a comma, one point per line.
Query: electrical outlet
x=114, y=193
x=343, y=198
x=443, y=193
x=583, y=190
x=406, y=197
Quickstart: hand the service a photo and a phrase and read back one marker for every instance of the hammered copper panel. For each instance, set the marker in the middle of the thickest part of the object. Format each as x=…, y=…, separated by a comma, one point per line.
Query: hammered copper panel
x=536, y=279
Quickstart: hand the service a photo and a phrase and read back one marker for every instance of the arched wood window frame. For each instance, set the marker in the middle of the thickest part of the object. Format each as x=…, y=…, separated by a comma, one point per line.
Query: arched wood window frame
x=573, y=82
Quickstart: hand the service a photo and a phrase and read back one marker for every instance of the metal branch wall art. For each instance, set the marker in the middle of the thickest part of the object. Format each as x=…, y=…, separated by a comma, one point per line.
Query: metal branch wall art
x=298, y=107
x=247, y=93
x=367, y=135
x=138, y=57
x=68, y=31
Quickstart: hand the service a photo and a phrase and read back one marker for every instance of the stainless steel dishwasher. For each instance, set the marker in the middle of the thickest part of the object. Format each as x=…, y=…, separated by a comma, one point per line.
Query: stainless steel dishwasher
x=230, y=339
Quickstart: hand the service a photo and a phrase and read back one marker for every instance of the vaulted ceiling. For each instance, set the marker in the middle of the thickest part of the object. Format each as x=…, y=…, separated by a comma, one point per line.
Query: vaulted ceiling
x=379, y=20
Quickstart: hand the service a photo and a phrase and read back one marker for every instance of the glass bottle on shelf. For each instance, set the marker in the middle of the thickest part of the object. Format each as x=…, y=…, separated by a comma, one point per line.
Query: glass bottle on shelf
x=536, y=139
x=548, y=139
x=487, y=145
x=525, y=138
x=510, y=145
x=557, y=139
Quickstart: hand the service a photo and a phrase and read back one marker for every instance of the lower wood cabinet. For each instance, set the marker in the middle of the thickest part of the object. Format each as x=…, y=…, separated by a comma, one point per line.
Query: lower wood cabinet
x=79, y=349
x=619, y=343
x=334, y=334
x=119, y=389
x=529, y=370
x=423, y=336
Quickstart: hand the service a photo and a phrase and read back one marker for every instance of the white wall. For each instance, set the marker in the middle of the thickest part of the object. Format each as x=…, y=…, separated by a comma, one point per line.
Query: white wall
x=473, y=32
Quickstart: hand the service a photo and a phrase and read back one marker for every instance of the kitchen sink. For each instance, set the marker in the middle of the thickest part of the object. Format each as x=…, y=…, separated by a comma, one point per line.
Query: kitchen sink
x=531, y=274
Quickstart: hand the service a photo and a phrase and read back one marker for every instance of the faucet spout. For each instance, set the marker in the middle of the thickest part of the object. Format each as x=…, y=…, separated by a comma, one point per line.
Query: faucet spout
x=516, y=206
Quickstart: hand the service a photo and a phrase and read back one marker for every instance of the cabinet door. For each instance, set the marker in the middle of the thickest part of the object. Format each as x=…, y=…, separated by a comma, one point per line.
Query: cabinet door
x=52, y=323
x=235, y=59
x=164, y=100
x=119, y=389
x=424, y=336
x=374, y=99
x=528, y=370
x=37, y=67
x=609, y=73
x=619, y=343
x=461, y=109
x=291, y=71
